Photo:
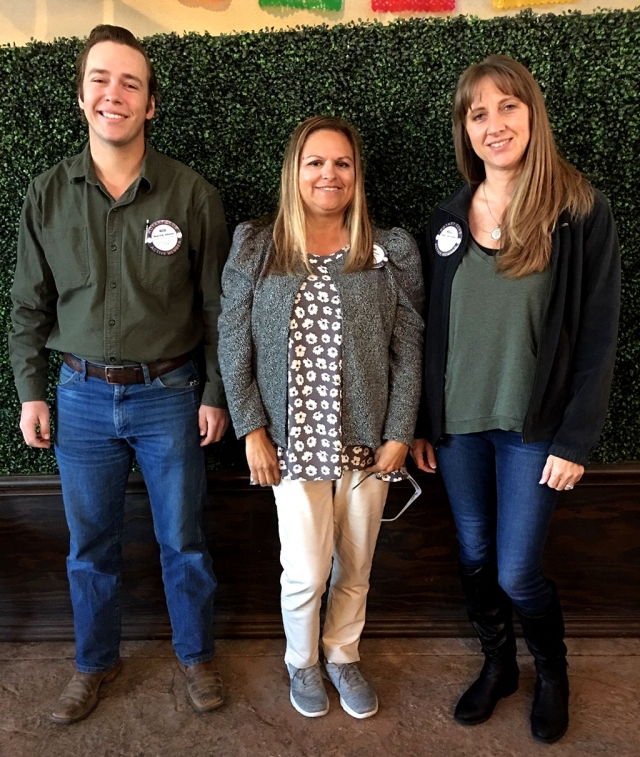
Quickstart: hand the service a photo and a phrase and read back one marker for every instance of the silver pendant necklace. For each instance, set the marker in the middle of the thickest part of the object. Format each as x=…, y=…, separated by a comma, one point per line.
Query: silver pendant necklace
x=495, y=233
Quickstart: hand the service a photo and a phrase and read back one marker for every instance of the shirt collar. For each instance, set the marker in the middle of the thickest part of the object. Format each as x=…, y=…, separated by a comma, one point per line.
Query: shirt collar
x=82, y=167
x=459, y=202
x=149, y=170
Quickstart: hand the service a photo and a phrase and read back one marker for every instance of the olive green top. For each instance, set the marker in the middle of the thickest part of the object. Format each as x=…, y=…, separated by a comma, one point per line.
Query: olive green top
x=494, y=326
x=87, y=282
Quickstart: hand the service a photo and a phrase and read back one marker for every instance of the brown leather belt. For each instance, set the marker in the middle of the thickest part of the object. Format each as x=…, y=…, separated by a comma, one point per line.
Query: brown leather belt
x=128, y=374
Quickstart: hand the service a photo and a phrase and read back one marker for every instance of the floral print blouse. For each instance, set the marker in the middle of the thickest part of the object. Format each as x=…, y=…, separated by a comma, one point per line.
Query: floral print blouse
x=314, y=434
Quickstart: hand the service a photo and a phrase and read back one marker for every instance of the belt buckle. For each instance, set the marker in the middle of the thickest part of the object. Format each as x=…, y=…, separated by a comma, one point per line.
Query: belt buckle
x=107, y=373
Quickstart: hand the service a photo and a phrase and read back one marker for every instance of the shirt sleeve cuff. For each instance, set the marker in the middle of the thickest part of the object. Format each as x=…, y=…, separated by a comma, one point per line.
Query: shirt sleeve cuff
x=396, y=434
x=213, y=395
x=32, y=391
x=573, y=455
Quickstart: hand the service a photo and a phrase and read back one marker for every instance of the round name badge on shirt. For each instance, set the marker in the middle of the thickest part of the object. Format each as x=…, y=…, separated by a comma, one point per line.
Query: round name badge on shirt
x=448, y=239
x=163, y=237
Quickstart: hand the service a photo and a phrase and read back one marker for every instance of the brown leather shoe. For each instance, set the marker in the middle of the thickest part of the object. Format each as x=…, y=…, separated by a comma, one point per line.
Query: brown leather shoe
x=204, y=685
x=80, y=695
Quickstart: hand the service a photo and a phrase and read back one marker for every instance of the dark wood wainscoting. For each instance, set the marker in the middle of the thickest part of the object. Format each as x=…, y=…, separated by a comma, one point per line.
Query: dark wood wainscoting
x=593, y=553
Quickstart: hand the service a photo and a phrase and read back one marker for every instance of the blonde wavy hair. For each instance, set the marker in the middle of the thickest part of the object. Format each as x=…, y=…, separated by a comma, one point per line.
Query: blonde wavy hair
x=289, y=237
x=547, y=184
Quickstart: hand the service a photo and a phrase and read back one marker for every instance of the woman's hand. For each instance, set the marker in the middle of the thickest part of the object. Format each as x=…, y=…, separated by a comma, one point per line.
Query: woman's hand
x=389, y=457
x=424, y=455
x=262, y=458
x=561, y=474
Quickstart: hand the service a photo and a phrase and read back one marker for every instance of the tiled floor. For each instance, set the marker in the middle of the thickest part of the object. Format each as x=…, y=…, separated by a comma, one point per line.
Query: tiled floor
x=143, y=713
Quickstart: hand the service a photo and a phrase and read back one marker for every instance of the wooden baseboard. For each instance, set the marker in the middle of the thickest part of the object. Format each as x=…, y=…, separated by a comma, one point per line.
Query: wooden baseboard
x=270, y=627
x=619, y=474
x=593, y=553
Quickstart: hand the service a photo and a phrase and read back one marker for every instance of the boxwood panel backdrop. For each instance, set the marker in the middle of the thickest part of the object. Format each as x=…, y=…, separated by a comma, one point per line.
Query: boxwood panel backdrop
x=229, y=104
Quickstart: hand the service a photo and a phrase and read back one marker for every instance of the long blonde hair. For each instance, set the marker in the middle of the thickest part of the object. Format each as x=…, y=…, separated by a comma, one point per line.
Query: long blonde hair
x=289, y=236
x=547, y=184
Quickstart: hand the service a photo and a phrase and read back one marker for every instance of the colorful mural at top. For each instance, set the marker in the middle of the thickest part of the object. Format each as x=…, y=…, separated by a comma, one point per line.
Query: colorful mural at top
x=309, y=5
x=399, y=6
x=502, y=4
x=395, y=6
x=45, y=20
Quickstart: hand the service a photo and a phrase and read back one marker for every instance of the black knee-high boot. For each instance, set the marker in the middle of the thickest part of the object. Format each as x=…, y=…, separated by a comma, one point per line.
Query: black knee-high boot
x=544, y=634
x=489, y=611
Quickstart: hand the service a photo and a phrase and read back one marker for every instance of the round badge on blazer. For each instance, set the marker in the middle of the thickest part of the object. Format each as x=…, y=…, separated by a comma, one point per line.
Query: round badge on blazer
x=380, y=258
x=163, y=237
x=448, y=239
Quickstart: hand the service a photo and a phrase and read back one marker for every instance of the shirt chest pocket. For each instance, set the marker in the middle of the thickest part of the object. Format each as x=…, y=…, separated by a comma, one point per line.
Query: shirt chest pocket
x=164, y=274
x=67, y=253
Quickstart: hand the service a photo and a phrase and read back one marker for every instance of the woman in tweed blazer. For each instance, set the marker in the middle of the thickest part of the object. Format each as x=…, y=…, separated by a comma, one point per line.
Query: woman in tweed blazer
x=320, y=351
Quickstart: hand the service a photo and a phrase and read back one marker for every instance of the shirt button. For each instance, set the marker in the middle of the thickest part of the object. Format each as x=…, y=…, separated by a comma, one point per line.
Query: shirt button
x=113, y=285
x=112, y=322
x=113, y=248
x=112, y=360
x=114, y=210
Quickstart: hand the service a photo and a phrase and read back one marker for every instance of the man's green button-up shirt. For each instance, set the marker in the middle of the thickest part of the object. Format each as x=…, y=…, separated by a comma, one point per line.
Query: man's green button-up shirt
x=87, y=282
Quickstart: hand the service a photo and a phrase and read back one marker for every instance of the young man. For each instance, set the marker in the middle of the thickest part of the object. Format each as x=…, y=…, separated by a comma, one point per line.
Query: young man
x=119, y=261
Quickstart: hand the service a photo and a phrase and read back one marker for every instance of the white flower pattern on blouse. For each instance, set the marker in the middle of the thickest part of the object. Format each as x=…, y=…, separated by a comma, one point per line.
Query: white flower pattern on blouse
x=314, y=440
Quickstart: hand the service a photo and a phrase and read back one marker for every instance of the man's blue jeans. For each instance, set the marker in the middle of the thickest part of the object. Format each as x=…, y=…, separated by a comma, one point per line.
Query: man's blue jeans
x=502, y=513
x=100, y=427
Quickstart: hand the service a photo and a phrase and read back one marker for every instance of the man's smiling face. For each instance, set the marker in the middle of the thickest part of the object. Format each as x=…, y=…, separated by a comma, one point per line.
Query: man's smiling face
x=115, y=94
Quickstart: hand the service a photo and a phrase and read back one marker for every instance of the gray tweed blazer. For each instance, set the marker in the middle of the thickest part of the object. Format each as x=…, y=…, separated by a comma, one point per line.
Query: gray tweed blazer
x=381, y=330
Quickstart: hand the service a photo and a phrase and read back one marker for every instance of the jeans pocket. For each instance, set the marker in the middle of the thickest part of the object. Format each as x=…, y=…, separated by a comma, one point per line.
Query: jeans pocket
x=67, y=376
x=184, y=377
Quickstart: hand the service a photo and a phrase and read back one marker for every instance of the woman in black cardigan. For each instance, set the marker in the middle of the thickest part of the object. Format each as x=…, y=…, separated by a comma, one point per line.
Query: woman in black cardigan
x=524, y=277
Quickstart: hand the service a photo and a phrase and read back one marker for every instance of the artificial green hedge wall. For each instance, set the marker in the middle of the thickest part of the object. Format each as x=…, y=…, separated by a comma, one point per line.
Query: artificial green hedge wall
x=229, y=103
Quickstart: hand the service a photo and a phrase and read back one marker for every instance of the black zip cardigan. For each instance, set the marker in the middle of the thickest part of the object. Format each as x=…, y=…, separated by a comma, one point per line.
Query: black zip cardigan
x=577, y=345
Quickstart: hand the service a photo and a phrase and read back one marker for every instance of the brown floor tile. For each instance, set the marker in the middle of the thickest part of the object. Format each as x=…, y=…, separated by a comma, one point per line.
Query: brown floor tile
x=144, y=713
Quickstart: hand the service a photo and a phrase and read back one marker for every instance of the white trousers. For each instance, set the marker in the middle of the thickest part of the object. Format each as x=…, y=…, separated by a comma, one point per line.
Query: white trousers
x=321, y=522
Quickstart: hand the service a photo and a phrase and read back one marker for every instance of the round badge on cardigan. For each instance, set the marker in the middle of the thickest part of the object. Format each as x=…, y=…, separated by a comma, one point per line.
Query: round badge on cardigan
x=163, y=237
x=380, y=258
x=448, y=239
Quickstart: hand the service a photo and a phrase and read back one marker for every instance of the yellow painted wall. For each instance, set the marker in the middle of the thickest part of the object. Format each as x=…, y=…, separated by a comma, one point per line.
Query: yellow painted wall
x=21, y=20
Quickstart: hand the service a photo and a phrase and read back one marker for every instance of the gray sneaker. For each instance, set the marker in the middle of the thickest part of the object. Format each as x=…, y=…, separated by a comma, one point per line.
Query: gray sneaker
x=357, y=698
x=308, y=694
